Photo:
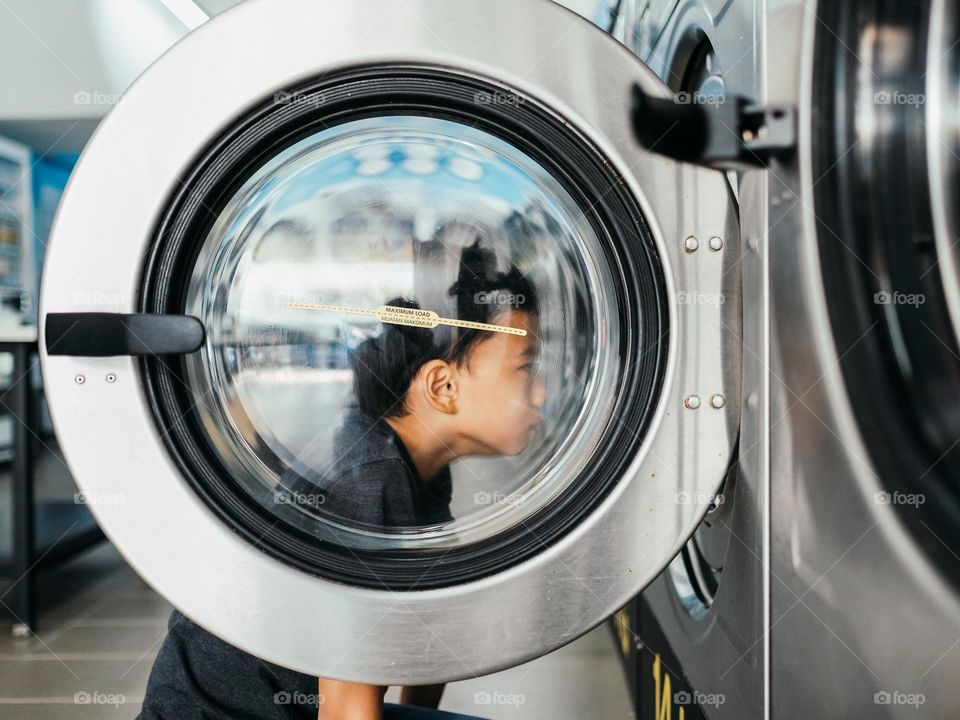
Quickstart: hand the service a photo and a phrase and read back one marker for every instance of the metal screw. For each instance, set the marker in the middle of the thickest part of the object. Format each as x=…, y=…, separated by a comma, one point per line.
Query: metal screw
x=21, y=630
x=692, y=402
x=111, y=377
x=718, y=401
x=80, y=379
x=691, y=244
x=716, y=243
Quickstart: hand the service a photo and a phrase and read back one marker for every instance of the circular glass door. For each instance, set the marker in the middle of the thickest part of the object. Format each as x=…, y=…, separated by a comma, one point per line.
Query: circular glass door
x=443, y=351
x=412, y=335
x=432, y=337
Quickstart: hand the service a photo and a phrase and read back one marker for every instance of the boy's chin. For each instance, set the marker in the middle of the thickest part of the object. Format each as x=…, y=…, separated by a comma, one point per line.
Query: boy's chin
x=514, y=449
x=508, y=448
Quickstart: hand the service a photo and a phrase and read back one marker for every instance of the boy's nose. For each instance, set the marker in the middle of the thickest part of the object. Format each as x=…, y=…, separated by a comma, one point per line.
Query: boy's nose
x=538, y=394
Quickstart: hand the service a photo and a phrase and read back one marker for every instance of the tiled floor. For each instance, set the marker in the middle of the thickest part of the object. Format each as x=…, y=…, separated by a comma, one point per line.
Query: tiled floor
x=101, y=626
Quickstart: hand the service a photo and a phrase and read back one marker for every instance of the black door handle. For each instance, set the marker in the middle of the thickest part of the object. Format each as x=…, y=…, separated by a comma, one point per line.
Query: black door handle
x=102, y=334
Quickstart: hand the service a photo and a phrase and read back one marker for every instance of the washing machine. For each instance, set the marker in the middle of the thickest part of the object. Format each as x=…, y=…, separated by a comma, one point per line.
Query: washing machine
x=865, y=605
x=831, y=591
x=295, y=211
x=696, y=635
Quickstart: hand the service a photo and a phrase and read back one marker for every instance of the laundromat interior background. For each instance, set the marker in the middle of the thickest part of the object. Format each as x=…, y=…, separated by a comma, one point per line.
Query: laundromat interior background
x=82, y=629
x=744, y=214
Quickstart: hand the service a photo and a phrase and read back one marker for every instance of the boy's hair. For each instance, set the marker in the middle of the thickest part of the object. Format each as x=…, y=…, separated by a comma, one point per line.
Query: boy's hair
x=385, y=365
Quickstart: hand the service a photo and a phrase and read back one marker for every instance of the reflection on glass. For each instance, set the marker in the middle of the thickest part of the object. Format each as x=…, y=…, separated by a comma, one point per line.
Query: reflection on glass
x=422, y=400
x=411, y=335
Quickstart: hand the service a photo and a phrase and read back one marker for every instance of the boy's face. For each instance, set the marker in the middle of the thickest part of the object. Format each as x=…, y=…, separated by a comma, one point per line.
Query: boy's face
x=500, y=394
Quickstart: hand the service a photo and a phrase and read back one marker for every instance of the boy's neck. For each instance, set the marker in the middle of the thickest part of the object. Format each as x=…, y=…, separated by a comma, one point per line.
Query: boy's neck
x=429, y=453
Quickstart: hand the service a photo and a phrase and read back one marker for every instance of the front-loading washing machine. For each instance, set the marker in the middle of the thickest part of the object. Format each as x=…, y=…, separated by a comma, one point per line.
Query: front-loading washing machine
x=842, y=539
x=294, y=212
x=865, y=366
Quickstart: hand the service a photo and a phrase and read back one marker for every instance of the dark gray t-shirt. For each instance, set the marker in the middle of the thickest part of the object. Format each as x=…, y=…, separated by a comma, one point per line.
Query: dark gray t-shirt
x=198, y=676
x=366, y=476
x=371, y=480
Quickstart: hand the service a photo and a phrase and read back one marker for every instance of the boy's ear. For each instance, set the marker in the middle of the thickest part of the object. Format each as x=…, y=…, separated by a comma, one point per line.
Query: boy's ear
x=440, y=385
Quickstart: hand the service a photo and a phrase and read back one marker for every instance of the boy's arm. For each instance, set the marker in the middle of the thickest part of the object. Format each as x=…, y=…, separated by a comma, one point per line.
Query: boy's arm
x=427, y=696
x=350, y=701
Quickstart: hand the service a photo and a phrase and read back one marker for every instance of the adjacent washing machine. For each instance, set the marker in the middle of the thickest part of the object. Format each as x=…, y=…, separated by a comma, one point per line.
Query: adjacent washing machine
x=832, y=591
x=310, y=225
x=865, y=366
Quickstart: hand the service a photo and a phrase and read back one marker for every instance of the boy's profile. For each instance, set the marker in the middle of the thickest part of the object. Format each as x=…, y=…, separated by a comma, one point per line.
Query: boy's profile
x=420, y=403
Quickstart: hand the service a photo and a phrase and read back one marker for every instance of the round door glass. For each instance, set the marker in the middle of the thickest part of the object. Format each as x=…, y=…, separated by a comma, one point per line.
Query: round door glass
x=412, y=335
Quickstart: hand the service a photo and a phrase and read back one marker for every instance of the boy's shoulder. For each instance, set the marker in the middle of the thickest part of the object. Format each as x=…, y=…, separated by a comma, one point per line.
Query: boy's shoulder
x=378, y=492
x=362, y=439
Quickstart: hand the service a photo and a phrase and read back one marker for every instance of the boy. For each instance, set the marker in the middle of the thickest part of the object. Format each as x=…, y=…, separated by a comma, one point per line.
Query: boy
x=421, y=400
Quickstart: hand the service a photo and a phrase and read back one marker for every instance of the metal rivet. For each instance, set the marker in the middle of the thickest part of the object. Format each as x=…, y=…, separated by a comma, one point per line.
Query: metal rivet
x=691, y=244
x=718, y=401
x=692, y=402
x=111, y=377
x=80, y=379
x=21, y=630
x=716, y=243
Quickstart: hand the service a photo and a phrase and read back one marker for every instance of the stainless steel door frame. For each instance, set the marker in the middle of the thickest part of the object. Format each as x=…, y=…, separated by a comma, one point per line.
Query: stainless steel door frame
x=723, y=649
x=106, y=225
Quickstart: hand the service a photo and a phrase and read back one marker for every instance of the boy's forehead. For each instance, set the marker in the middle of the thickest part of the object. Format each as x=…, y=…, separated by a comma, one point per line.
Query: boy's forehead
x=504, y=344
x=519, y=318
x=526, y=345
